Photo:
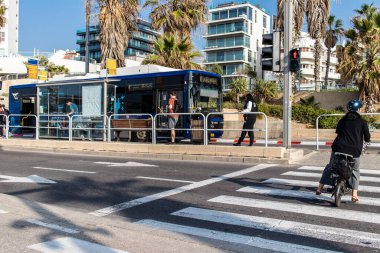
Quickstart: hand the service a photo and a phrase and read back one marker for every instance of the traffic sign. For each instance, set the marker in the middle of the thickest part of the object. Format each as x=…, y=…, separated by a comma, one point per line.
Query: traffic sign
x=42, y=74
x=32, y=71
x=111, y=66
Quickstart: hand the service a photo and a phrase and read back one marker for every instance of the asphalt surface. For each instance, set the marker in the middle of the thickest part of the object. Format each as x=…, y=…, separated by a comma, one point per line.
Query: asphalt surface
x=110, y=181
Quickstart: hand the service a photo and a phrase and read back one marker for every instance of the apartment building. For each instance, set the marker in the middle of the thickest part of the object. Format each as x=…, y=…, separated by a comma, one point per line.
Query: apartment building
x=139, y=46
x=306, y=46
x=9, y=33
x=234, y=36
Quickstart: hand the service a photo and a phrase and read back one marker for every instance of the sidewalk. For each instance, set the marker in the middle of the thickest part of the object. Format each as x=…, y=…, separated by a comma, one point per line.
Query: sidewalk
x=242, y=154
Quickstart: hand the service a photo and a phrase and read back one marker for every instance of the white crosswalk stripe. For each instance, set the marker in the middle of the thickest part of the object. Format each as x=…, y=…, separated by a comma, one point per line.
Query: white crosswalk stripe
x=2, y=211
x=318, y=175
x=70, y=245
x=303, y=183
x=320, y=169
x=299, y=208
x=258, y=242
x=289, y=227
x=284, y=201
x=304, y=195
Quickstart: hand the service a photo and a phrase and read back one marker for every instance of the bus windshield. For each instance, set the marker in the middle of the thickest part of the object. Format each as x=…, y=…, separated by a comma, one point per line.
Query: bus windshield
x=206, y=92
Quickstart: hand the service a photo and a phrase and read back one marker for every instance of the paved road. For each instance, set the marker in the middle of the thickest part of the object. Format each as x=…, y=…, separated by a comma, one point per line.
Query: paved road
x=229, y=207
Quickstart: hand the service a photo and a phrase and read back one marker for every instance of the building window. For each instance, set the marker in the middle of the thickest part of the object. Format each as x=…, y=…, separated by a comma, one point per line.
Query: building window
x=233, y=13
x=2, y=36
x=223, y=15
x=265, y=21
x=242, y=12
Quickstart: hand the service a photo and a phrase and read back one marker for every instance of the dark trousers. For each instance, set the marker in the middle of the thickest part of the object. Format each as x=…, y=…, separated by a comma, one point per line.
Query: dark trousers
x=248, y=125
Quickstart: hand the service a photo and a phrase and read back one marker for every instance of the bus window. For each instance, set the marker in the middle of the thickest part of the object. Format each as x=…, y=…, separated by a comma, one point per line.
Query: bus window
x=206, y=93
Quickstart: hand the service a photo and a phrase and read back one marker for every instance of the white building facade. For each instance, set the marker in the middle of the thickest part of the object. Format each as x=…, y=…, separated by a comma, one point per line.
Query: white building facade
x=307, y=82
x=234, y=36
x=9, y=34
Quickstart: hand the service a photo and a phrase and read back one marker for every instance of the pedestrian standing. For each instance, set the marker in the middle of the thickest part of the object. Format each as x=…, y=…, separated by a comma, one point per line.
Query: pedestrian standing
x=172, y=117
x=249, y=120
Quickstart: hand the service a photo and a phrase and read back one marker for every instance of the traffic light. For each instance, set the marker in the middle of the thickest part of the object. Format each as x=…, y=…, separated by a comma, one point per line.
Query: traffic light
x=295, y=60
x=270, y=54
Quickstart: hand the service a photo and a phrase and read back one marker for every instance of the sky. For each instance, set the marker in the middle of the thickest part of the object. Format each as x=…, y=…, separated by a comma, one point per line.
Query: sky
x=51, y=24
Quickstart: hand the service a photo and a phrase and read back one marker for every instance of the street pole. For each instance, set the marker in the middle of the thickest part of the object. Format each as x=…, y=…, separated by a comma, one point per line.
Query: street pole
x=287, y=103
x=87, y=51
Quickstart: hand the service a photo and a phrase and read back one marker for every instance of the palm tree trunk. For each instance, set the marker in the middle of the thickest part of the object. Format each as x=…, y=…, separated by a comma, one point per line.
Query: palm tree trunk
x=328, y=65
x=317, y=63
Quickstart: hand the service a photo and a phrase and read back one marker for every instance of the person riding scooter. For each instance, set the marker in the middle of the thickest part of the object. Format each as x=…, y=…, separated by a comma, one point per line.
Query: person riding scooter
x=351, y=130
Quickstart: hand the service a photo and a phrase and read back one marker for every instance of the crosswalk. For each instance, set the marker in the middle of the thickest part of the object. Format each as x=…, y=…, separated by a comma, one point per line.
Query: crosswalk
x=275, y=202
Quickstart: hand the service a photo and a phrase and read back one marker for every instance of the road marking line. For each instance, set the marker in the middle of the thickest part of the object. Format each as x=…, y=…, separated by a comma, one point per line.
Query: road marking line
x=318, y=175
x=320, y=169
x=34, y=179
x=2, y=211
x=166, y=179
x=70, y=245
x=340, y=235
x=150, y=198
x=257, y=242
x=304, y=195
x=53, y=226
x=300, y=208
x=75, y=171
x=303, y=183
x=127, y=164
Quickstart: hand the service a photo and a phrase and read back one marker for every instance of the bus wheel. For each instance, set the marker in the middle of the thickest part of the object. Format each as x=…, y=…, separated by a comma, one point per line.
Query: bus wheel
x=139, y=136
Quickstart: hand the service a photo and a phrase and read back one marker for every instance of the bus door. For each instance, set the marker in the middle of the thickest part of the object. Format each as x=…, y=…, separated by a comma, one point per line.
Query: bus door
x=162, y=98
x=27, y=107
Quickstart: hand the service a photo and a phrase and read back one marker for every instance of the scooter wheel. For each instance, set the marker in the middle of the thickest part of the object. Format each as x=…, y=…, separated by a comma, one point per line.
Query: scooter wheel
x=339, y=193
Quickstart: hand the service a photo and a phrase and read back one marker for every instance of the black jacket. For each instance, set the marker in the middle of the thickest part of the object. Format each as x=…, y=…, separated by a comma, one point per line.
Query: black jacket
x=351, y=130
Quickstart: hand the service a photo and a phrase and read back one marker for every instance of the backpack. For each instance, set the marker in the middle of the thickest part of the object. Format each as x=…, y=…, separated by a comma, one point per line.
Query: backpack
x=177, y=106
x=342, y=166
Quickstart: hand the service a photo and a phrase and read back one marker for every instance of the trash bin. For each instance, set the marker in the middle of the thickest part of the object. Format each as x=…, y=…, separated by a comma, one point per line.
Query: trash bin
x=197, y=135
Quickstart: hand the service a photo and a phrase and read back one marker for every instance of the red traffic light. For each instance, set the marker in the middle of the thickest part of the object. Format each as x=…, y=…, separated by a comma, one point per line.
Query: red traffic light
x=294, y=54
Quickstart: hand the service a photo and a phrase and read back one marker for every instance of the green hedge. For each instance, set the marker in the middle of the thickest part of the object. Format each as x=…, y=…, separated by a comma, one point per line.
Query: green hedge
x=303, y=114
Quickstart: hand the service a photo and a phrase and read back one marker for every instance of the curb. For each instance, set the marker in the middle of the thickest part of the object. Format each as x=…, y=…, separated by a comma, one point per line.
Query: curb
x=280, y=142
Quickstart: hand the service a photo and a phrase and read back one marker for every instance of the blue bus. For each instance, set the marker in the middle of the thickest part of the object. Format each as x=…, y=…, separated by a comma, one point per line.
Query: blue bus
x=197, y=91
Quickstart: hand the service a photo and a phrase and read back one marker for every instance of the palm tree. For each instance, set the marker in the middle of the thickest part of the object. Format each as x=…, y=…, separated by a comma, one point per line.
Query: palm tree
x=334, y=32
x=238, y=87
x=215, y=68
x=265, y=90
x=117, y=22
x=361, y=55
x=317, y=14
x=171, y=51
x=3, y=20
x=299, y=10
x=177, y=16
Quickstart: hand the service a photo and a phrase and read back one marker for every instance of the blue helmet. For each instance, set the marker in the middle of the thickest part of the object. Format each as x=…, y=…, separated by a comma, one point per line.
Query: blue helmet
x=354, y=105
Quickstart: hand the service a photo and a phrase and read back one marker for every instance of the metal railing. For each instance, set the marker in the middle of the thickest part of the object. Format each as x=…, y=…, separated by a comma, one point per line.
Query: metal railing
x=56, y=126
x=335, y=115
x=11, y=123
x=248, y=130
x=129, y=119
x=85, y=125
x=155, y=128
x=101, y=126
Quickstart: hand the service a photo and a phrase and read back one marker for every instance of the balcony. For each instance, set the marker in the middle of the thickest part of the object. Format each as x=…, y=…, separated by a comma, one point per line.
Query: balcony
x=217, y=48
x=221, y=20
x=232, y=32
